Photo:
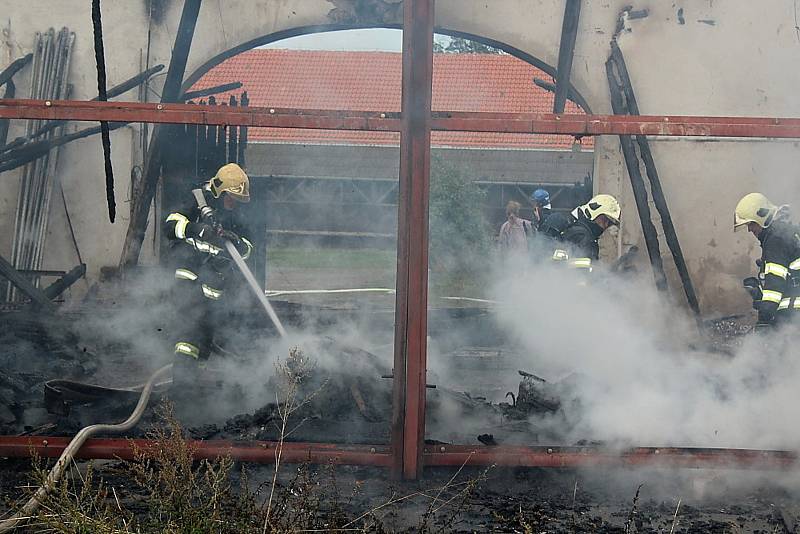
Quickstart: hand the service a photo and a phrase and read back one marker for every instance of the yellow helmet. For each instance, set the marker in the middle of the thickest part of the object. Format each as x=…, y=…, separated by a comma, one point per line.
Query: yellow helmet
x=231, y=179
x=602, y=205
x=755, y=208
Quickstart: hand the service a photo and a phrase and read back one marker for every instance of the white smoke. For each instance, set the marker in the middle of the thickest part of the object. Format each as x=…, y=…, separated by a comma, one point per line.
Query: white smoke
x=640, y=380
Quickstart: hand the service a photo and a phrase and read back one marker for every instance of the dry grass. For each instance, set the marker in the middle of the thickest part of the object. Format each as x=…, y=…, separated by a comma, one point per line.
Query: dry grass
x=165, y=490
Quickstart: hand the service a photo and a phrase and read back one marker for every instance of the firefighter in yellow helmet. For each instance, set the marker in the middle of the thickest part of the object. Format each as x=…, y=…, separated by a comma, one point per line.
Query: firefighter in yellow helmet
x=202, y=268
x=776, y=290
x=576, y=233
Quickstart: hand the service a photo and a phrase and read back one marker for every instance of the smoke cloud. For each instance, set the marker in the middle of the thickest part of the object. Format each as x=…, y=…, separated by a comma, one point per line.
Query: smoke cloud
x=633, y=357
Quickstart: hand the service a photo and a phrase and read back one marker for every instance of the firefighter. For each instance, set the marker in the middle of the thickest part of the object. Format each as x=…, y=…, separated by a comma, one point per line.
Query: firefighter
x=775, y=291
x=576, y=233
x=541, y=207
x=202, y=265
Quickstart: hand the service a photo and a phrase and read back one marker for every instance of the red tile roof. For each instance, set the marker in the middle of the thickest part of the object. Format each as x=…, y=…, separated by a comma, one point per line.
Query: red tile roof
x=370, y=81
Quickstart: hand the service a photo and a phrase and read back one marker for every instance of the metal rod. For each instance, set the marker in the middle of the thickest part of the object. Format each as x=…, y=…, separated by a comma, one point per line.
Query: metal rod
x=16, y=241
x=54, y=46
x=51, y=177
x=660, y=200
x=566, y=52
x=30, y=175
x=34, y=187
x=637, y=184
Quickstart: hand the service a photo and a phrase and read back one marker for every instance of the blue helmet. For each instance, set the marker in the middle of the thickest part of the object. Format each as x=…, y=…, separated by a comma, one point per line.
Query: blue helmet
x=541, y=197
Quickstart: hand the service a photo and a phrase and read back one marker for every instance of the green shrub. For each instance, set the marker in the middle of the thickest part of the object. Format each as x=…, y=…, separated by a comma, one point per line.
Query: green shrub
x=459, y=234
x=459, y=231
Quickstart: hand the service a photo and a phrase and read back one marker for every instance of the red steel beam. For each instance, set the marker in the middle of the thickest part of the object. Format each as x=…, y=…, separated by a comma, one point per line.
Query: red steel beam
x=543, y=123
x=434, y=456
x=687, y=457
x=196, y=114
x=411, y=305
x=251, y=451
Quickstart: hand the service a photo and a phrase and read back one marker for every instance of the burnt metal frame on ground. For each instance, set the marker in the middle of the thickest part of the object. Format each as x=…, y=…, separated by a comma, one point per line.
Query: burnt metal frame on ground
x=408, y=455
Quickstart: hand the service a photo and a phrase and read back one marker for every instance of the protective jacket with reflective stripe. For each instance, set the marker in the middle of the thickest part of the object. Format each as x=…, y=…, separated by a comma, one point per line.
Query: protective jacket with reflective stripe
x=780, y=269
x=195, y=250
x=577, y=235
x=582, y=236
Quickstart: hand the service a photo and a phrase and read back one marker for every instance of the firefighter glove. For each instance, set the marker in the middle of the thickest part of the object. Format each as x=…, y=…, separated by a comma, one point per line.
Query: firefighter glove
x=753, y=286
x=227, y=234
x=204, y=231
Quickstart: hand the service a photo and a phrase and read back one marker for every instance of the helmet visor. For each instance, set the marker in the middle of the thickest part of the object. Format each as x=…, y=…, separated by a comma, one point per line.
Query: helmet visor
x=739, y=222
x=239, y=192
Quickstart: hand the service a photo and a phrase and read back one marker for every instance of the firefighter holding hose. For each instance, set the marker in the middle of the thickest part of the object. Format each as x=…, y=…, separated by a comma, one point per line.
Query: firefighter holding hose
x=776, y=289
x=202, y=266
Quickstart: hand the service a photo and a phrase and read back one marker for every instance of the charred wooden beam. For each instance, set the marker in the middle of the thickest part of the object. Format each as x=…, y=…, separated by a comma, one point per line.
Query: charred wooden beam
x=637, y=184
x=102, y=95
x=40, y=272
x=566, y=52
x=37, y=149
x=659, y=199
x=10, y=92
x=14, y=68
x=572, y=94
x=59, y=286
x=133, y=82
x=36, y=295
x=211, y=90
x=244, y=102
x=143, y=196
x=115, y=91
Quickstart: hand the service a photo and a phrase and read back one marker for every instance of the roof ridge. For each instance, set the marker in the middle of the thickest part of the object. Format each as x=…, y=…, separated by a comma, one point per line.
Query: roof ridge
x=371, y=81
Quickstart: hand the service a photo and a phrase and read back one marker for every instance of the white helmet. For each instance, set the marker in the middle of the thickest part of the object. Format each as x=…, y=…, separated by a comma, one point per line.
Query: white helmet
x=755, y=208
x=602, y=205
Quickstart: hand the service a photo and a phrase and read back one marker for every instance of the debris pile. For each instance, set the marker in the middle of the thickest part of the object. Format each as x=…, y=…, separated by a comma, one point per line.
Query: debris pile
x=33, y=352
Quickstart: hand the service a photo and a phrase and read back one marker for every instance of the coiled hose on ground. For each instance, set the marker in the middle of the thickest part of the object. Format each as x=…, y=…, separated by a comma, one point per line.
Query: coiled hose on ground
x=25, y=513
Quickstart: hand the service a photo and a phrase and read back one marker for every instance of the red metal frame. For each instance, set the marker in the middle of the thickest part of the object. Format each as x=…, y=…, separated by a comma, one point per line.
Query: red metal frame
x=250, y=451
x=434, y=456
x=687, y=457
x=407, y=455
x=530, y=123
x=411, y=308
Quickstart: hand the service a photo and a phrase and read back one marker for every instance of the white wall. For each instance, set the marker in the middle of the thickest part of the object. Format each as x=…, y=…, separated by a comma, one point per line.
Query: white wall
x=745, y=63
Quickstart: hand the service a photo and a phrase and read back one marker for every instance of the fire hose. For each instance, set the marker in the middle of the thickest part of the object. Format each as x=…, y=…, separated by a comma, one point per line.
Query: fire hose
x=25, y=513
x=244, y=269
